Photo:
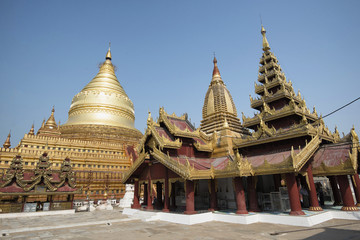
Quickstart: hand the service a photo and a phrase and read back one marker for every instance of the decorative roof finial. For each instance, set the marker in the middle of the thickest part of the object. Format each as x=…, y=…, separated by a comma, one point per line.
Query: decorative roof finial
x=149, y=120
x=108, y=54
x=216, y=69
x=7, y=141
x=266, y=46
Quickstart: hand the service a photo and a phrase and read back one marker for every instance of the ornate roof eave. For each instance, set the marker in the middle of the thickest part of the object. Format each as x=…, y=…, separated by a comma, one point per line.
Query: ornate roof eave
x=175, y=166
x=276, y=114
x=344, y=168
x=300, y=159
x=163, y=142
x=255, y=103
x=349, y=166
x=259, y=88
x=204, y=148
x=135, y=166
x=174, y=130
x=42, y=175
x=77, y=191
x=299, y=130
x=354, y=149
x=266, y=168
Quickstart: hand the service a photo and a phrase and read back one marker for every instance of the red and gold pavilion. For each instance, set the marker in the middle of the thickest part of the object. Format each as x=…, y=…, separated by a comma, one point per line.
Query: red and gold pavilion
x=250, y=166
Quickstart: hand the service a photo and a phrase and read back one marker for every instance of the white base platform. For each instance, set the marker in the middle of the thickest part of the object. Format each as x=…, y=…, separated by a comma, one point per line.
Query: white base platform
x=303, y=221
x=34, y=214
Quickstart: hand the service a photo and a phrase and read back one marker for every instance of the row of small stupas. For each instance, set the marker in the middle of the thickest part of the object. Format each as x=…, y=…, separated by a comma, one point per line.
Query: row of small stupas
x=99, y=129
x=286, y=142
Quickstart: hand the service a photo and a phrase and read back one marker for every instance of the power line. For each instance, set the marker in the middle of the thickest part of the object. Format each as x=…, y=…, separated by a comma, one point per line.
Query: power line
x=341, y=107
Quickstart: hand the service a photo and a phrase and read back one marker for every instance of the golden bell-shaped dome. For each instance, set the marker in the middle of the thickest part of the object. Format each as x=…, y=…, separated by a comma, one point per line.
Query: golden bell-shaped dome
x=101, y=106
x=102, y=101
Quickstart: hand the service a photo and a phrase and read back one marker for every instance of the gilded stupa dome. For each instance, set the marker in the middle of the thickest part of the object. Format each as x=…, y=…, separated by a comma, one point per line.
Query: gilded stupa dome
x=219, y=106
x=101, y=109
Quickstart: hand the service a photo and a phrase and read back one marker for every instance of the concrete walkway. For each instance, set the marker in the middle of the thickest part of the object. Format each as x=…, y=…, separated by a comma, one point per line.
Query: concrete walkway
x=114, y=225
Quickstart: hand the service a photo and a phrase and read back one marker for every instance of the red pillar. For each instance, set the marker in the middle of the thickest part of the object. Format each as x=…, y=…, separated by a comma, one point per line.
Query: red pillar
x=356, y=184
x=136, y=203
x=149, y=196
x=314, y=202
x=190, y=200
x=240, y=196
x=335, y=190
x=166, y=194
x=253, y=201
x=213, y=198
x=348, y=201
x=293, y=192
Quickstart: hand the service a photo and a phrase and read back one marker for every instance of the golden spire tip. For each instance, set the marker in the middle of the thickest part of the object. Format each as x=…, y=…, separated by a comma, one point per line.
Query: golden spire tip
x=265, y=42
x=216, y=69
x=108, y=54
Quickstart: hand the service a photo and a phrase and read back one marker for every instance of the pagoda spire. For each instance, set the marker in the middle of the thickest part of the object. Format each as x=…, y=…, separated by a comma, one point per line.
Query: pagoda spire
x=51, y=123
x=108, y=54
x=31, y=132
x=216, y=77
x=7, y=143
x=216, y=71
x=266, y=45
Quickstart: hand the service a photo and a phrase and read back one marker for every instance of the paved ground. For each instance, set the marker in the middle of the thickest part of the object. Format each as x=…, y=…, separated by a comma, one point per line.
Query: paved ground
x=113, y=225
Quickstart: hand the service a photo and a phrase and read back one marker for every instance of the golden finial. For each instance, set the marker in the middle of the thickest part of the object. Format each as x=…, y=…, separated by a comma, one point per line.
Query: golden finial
x=108, y=54
x=216, y=69
x=149, y=120
x=265, y=42
x=7, y=141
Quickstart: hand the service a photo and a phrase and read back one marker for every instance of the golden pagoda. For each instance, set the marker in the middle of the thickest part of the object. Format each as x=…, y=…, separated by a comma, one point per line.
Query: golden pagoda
x=218, y=106
x=101, y=110
x=99, y=137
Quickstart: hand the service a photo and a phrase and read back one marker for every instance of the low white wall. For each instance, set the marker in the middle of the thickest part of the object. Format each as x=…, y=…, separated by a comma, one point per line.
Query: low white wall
x=303, y=221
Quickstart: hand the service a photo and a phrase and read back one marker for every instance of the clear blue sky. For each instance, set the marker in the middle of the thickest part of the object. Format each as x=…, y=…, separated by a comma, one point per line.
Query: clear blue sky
x=49, y=50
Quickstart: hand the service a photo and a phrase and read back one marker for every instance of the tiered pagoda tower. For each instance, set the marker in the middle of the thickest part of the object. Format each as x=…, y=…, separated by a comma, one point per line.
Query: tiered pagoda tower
x=283, y=115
